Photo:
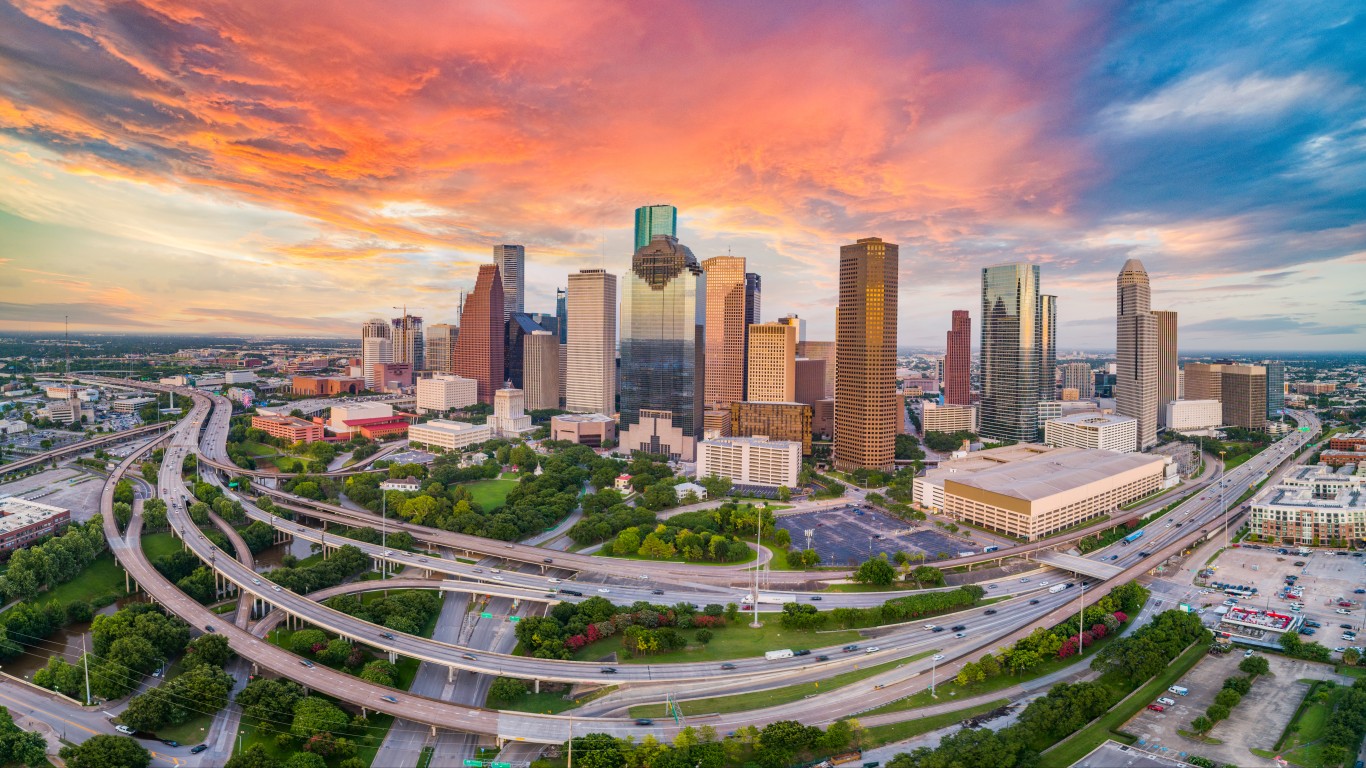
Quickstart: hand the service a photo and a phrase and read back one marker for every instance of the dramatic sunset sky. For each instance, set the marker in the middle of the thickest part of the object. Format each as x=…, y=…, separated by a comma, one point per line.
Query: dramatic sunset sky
x=288, y=167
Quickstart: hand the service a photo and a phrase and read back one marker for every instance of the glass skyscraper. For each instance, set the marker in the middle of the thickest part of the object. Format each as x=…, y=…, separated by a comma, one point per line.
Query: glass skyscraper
x=663, y=335
x=1275, y=389
x=654, y=220
x=1012, y=351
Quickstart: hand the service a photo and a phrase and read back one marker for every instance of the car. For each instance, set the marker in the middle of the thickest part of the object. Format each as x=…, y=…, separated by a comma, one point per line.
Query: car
x=644, y=721
x=746, y=607
x=958, y=627
x=467, y=656
x=937, y=629
x=422, y=559
x=554, y=581
x=727, y=665
x=387, y=552
x=124, y=730
x=170, y=742
x=929, y=627
x=990, y=611
x=1299, y=563
x=478, y=570
x=1043, y=583
x=547, y=560
x=938, y=657
x=1339, y=649
x=1359, y=591
x=1344, y=612
x=801, y=652
x=1157, y=708
x=608, y=670
x=255, y=581
x=387, y=635
x=198, y=748
x=1033, y=602
x=604, y=590
x=822, y=657
x=849, y=648
x=961, y=634
x=1167, y=701
x=390, y=699
x=306, y=663
x=1345, y=626
x=276, y=588
x=1024, y=580
x=1344, y=604
x=1247, y=654
x=656, y=591
x=815, y=597
x=209, y=628
x=500, y=578
x=871, y=649
x=492, y=570
x=991, y=586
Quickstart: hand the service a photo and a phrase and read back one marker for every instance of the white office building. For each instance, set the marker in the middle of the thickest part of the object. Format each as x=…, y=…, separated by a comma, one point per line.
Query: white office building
x=446, y=435
x=355, y=412
x=948, y=418
x=1193, y=415
x=751, y=460
x=1092, y=431
x=509, y=414
x=445, y=391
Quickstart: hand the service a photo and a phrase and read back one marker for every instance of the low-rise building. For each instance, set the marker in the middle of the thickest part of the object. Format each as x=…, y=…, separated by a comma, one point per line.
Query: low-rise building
x=1351, y=441
x=354, y=411
x=290, y=428
x=1056, y=409
x=1315, y=387
x=683, y=489
x=1092, y=431
x=446, y=435
x=622, y=483
x=392, y=377
x=1193, y=415
x=591, y=429
x=23, y=522
x=509, y=418
x=130, y=404
x=1342, y=458
x=239, y=377
x=326, y=385
x=948, y=418
x=444, y=392
x=1314, y=505
x=408, y=484
x=755, y=460
x=779, y=421
x=64, y=411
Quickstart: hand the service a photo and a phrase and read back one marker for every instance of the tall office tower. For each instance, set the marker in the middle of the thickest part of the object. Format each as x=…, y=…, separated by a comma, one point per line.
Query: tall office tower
x=772, y=371
x=726, y=328
x=1275, y=389
x=1136, y=351
x=654, y=220
x=541, y=370
x=1243, y=388
x=1168, y=371
x=374, y=350
x=562, y=329
x=1012, y=348
x=663, y=345
x=1080, y=377
x=798, y=323
x=440, y=341
x=821, y=350
x=407, y=338
x=957, y=381
x=1048, y=335
x=374, y=328
x=590, y=384
x=511, y=263
x=810, y=378
x=478, y=351
x=519, y=326
x=1203, y=382
x=866, y=406
x=754, y=289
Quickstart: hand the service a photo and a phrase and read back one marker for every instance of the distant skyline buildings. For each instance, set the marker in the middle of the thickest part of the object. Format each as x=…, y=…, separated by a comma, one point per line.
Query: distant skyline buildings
x=654, y=220
x=409, y=347
x=511, y=263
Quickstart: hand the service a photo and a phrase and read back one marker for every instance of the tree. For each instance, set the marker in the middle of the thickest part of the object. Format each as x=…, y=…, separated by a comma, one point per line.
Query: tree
x=926, y=575
x=1202, y=724
x=1216, y=712
x=208, y=649
x=1258, y=665
x=505, y=691
x=104, y=751
x=313, y=714
x=254, y=756
x=780, y=741
x=305, y=760
x=877, y=572
x=17, y=746
x=305, y=640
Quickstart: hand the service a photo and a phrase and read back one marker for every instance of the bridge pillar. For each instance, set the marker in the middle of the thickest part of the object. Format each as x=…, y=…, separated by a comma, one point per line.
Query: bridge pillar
x=364, y=713
x=255, y=670
x=393, y=657
x=538, y=686
x=433, y=731
x=450, y=674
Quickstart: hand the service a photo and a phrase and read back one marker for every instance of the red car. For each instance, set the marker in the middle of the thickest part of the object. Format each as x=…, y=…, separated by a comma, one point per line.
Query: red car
x=1344, y=604
x=746, y=607
x=1157, y=708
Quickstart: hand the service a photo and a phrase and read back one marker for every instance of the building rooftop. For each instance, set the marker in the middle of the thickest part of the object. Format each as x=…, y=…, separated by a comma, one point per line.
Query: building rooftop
x=16, y=513
x=583, y=417
x=453, y=427
x=293, y=421
x=1096, y=420
x=761, y=441
x=992, y=457
x=1058, y=471
x=1305, y=498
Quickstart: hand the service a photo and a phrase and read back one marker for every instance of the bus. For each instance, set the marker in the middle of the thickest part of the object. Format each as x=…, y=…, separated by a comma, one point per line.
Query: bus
x=991, y=548
x=1131, y=538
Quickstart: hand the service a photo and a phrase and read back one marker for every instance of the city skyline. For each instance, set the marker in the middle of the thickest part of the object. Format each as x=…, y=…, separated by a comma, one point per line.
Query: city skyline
x=119, y=213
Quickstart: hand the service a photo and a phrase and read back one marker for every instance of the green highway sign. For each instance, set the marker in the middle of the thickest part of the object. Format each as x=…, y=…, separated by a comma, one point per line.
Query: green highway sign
x=500, y=765
x=485, y=616
x=473, y=763
x=514, y=619
x=1304, y=429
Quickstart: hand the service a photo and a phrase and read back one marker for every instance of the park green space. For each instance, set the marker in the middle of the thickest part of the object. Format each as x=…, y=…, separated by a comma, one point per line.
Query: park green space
x=878, y=735
x=100, y=583
x=605, y=553
x=491, y=494
x=773, y=697
x=254, y=448
x=736, y=640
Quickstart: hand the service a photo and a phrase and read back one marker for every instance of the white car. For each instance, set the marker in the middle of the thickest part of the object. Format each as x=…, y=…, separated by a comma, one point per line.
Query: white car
x=604, y=590
x=124, y=730
x=1167, y=700
x=872, y=649
x=938, y=657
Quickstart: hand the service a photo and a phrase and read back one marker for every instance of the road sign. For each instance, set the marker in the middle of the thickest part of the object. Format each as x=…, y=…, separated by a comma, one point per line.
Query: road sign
x=473, y=763
x=496, y=764
x=485, y=615
x=514, y=619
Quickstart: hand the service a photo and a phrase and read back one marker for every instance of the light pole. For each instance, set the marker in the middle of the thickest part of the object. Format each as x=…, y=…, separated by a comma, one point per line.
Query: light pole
x=934, y=668
x=758, y=552
x=1222, y=509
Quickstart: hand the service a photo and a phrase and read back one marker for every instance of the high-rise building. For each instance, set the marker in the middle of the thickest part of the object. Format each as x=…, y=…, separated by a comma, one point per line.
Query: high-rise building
x=1203, y=382
x=1048, y=347
x=1244, y=395
x=518, y=327
x=772, y=371
x=866, y=405
x=511, y=263
x=821, y=350
x=1080, y=377
x=1012, y=349
x=796, y=322
x=753, y=295
x=726, y=327
x=663, y=343
x=372, y=352
x=1136, y=351
x=440, y=341
x=1275, y=389
x=654, y=220
x=956, y=383
x=810, y=375
x=407, y=337
x=1168, y=372
x=509, y=418
x=479, y=349
x=562, y=328
x=590, y=384
x=541, y=370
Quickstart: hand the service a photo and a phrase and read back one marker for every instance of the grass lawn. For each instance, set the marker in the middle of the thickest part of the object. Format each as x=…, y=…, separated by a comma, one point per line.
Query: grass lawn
x=1079, y=744
x=491, y=494
x=544, y=703
x=100, y=579
x=734, y=641
x=772, y=697
x=879, y=735
x=252, y=448
x=157, y=545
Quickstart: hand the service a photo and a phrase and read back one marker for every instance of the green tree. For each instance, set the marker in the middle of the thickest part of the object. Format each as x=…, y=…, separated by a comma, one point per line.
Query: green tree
x=1257, y=665
x=876, y=571
x=1202, y=724
x=505, y=691
x=313, y=714
x=270, y=702
x=104, y=751
x=212, y=650
x=254, y=756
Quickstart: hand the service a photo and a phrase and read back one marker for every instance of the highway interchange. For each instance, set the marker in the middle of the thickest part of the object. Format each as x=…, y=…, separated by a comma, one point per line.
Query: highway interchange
x=984, y=632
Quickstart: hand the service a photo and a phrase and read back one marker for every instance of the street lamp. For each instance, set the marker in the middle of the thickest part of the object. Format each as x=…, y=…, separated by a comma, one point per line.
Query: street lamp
x=934, y=667
x=1222, y=509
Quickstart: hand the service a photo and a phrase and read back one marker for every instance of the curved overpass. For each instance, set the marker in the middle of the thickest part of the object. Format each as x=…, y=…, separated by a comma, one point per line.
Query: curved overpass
x=80, y=447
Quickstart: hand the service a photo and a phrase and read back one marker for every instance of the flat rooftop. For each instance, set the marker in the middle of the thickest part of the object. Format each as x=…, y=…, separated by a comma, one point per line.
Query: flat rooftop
x=448, y=426
x=582, y=417
x=1348, y=499
x=1058, y=471
x=20, y=513
x=1093, y=419
x=758, y=441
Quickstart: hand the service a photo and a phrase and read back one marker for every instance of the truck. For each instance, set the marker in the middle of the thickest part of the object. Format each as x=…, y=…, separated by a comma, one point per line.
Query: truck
x=1056, y=588
x=966, y=554
x=1179, y=690
x=785, y=653
x=1131, y=538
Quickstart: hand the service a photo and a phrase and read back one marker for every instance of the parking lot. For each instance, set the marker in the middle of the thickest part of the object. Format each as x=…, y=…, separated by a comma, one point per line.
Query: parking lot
x=1326, y=579
x=411, y=457
x=1257, y=722
x=63, y=487
x=842, y=536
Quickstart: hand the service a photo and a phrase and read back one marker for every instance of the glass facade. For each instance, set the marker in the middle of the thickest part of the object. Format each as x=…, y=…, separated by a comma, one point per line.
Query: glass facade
x=1048, y=331
x=1012, y=349
x=654, y=220
x=1275, y=389
x=663, y=335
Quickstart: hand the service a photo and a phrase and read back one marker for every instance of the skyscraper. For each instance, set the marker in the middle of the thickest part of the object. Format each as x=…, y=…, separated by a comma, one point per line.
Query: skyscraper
x=754, y=289
x=1080, y=377
x=1275, y=388
x=590, y=384
x=726, y=328
x=1243, y=394
x=541, y=370
x=440, y=340
x=797, y=323
x=1136, y=351
x=663, y=344
x=957, y=383
x=478, y=351
x=1167, y=368
x=654, y=220
x=821, y=350
x=1012, y=349
x=511, y=263
x=408, y=344
x=1048, y=361
x=518, y=327
x=562, y=328
x=374, y=328
x=772, y=362
x=866, y=404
